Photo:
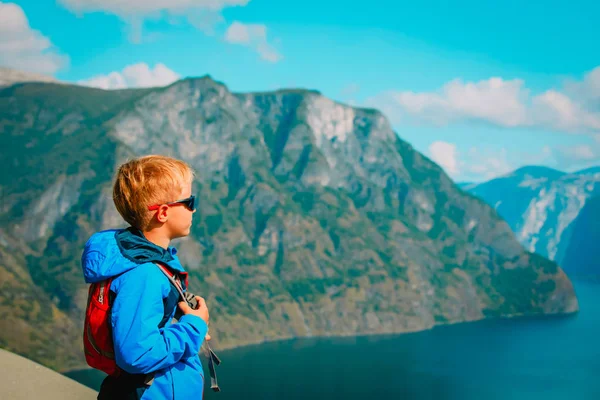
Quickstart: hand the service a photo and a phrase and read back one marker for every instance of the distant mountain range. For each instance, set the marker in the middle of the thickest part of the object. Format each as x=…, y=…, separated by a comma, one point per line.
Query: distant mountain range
x=552, y=212
x=315, y=218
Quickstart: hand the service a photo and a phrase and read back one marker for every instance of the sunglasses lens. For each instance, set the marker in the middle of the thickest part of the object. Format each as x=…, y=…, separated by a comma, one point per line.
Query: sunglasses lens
x=191, y=203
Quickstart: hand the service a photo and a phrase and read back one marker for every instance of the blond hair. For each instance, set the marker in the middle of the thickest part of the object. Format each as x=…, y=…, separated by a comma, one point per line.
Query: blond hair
x=148, y=180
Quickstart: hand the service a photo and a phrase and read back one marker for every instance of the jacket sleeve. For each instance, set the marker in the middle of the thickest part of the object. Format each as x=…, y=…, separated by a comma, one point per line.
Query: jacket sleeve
x=140, y=346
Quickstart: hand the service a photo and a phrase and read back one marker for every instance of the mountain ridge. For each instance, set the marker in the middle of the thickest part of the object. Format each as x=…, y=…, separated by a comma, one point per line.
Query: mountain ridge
x=10, y=76
x=315, y=218
x=541, y=207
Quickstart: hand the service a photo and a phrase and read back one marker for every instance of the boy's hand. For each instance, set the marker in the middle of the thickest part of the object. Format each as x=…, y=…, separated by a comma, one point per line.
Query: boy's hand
x=201, y=311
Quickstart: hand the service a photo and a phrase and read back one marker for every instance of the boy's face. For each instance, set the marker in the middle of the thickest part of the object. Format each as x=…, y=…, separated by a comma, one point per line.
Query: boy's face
x=179, y=221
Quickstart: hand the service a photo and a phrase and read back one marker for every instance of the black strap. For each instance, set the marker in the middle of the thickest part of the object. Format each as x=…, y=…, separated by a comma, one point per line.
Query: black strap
x=212, y=357
x=212, y=360
x=124, y=387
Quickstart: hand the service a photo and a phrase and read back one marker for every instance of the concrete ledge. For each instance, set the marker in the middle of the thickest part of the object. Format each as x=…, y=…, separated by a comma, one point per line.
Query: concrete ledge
x=23, y=379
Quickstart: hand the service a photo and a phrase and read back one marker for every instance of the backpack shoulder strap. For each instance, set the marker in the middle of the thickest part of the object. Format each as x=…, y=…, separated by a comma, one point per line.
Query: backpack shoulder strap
x=172, y=278
x=212, y=357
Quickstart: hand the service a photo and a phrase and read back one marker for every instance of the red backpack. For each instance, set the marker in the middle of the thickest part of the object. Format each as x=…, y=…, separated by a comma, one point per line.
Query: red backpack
x=97, y=333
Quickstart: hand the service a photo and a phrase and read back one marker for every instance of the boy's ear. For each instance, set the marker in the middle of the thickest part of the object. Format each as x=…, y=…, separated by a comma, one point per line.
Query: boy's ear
x=162, y=214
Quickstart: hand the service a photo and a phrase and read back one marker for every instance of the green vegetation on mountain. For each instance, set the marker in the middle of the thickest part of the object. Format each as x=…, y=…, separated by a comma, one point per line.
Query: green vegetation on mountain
x=315, y=218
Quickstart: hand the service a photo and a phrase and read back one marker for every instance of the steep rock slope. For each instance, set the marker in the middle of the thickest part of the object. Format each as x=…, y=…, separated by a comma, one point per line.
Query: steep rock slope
x=315, y=218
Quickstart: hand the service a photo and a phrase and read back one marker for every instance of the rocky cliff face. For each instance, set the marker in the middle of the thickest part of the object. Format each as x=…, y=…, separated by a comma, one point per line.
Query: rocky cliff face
x=314, y=217
x=540, y=204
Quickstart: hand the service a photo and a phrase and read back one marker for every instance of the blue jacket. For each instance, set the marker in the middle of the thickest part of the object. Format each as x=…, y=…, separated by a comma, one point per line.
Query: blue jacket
x=141, y=291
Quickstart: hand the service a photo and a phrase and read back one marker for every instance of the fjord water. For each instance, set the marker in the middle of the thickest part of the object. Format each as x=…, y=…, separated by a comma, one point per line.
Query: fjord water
x=552, y=357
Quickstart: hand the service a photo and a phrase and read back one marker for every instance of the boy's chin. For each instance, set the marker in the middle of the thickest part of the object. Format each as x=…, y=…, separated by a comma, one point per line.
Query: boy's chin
x=183, y=233
x=180, y=234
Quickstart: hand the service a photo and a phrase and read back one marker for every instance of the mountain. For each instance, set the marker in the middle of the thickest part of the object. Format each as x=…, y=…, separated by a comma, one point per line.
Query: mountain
x=540, y=204
x=582, y=255
x=10, y=76
x=589, y=171
x=315, y=218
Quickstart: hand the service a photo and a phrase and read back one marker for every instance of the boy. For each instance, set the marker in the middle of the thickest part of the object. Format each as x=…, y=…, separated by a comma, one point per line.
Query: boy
x=158, y=359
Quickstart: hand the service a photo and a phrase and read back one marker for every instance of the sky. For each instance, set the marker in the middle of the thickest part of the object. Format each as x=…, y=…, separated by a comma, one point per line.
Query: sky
x=480, y=87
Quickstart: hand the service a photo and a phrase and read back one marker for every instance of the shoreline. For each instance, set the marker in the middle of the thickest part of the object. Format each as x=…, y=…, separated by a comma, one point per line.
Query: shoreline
x=565, y=314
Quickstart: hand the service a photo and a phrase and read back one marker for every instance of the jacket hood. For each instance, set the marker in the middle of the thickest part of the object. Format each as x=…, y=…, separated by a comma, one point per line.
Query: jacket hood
x=115, y=251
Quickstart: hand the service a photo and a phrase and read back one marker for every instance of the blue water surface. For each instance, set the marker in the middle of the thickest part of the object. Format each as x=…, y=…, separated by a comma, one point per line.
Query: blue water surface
x=545, y=358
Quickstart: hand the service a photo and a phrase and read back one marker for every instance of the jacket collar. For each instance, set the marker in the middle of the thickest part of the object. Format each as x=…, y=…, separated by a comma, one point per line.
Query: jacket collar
x=135, y=247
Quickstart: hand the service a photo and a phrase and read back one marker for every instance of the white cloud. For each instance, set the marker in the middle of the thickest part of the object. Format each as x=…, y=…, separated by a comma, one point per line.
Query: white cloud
x=574, y=157
x=137, y=75
x=569, y=157
x=575, y=108
x=241, y=33
x=24, y=48
x=486, y=162
x=203, y=14
x=475, y=164
x=147, y=7
x=205, y=20
x=588, y=90
x=556, y=110
x=581, y=152
x=494, y=100
x=444, y=154
x=253, y=36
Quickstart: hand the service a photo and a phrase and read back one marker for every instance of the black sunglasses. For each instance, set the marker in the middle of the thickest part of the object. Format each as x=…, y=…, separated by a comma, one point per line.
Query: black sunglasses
x=189, y=203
